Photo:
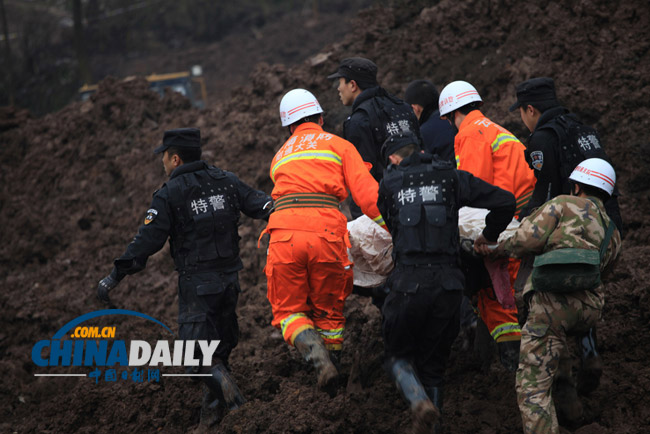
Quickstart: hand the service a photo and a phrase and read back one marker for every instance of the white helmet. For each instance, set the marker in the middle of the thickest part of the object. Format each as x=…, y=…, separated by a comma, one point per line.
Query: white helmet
x=595, y=172
x=455, y=95
x=297, y=104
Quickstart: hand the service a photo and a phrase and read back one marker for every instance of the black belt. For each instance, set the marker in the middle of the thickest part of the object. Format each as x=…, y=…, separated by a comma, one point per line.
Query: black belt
x=306, y=200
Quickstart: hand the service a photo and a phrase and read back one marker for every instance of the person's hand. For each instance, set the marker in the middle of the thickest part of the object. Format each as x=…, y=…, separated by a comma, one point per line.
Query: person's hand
x=103, y=288
x=482, y=246
x=467, y=245
x=269, y=207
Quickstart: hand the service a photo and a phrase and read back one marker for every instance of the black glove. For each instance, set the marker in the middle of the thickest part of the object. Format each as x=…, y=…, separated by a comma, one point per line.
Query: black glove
x=104, y=286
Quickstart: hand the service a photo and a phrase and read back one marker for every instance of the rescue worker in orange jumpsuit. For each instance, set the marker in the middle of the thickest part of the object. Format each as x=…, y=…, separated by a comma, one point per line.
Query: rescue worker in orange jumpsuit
x=308, y=272
x=495, y=155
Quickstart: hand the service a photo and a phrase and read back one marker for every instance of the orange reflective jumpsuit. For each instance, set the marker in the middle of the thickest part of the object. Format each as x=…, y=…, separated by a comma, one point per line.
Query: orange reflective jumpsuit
x=308, y=272
x=495, y=155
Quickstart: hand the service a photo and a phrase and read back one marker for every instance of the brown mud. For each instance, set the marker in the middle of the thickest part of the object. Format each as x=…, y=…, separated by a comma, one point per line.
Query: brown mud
x=74, y=185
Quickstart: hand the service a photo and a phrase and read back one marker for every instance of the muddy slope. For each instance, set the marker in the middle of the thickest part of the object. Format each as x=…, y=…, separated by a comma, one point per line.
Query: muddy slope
x=74, y=186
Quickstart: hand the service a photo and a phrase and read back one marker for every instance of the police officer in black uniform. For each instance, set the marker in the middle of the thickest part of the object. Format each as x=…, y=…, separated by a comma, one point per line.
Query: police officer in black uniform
x=198, y=209
x=551, y=150
x=376, y=114
x=419, y=198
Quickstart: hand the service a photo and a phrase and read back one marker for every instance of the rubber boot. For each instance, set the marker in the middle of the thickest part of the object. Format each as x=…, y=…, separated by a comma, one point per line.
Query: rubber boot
x=592, y=364
x=568, y=405
x=223, y=386
x=335, y=357
x=310, y=345
x=484, y=346
x=509, y=354
x=468, y=324
x=436, y=396
x=211, y=410
x=425, y=414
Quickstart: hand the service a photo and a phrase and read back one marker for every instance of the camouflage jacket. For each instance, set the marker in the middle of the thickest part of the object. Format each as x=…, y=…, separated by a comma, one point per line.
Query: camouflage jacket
x=564, y=222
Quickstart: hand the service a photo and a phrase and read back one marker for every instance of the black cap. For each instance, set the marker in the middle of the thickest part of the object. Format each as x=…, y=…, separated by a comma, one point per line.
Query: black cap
x=540, y=89
x=180, y=138
x=422, y=92
x=396, y=142
x=357, y=69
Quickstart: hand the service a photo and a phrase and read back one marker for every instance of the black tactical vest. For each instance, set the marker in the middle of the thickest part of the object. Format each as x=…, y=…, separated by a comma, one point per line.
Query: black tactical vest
x=425, y=211
x=388, y=116
x=205, y=209
x=577, y=142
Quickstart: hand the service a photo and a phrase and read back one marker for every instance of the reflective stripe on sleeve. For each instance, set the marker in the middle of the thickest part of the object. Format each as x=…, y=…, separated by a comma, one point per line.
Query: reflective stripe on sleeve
x=505, y=328
x=501, y=139
x=379, y=220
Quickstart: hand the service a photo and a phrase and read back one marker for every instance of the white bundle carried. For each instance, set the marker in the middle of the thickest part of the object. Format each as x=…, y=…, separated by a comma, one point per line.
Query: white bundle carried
x=372, y=247
x=471, y=222
x=371, y=250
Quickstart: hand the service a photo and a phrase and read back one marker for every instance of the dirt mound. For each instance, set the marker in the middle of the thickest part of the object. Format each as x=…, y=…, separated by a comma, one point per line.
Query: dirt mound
x=288, y=38
x=75, y=185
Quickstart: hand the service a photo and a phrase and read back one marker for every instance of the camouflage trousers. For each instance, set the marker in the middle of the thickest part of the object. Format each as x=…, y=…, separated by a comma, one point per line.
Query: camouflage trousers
x=544, y=349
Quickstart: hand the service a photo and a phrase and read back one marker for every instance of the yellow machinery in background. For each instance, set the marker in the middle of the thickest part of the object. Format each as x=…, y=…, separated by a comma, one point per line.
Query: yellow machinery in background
x=189, y=84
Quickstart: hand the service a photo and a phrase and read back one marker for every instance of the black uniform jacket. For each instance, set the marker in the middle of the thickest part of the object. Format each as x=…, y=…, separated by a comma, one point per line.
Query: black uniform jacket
x=470, y=191
x=542, y=155
x=375, y=115
x=542, y=149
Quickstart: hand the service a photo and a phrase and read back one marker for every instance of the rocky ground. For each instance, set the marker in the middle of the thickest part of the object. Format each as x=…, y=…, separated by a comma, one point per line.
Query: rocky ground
x=75, y=185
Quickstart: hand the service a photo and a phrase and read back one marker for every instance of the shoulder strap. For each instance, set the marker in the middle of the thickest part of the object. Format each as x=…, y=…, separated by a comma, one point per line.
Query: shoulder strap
x=560, y=126
x=608, y=233
x=175, y=195
x=608, y=236
x=378, y=119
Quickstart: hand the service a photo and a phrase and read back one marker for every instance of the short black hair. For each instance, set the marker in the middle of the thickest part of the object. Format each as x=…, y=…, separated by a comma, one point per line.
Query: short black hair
x=423, y=93
x=590, y=190
x=542, y=106
x=406, y=150
x=363, y=85
x=469, y=107
x=187, y=155
x=311, y=118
